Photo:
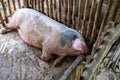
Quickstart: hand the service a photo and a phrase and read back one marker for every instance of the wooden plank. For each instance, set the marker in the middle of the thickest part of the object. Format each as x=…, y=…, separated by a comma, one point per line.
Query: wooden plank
x=72, y=66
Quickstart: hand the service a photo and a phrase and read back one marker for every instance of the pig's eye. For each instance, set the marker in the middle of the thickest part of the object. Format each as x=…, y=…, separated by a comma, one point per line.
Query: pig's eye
x=74, y=37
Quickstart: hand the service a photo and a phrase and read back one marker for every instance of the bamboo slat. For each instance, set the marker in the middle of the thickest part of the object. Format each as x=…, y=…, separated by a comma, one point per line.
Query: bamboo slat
x=85, y=16
x=79, y=14
x=69, y=11
x=51, y=9
x=89, y=28
x=65, y=12
x=73, y=15
x=4, y=11
x=19, y=6
x=104, y=20
x=96, y=20
x=54, y=10
x=59, y=10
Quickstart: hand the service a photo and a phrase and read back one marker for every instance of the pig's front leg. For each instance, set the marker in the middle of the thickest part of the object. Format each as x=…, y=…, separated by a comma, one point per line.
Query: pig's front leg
x=46, y=54
x=58, y=60
x=46, y=49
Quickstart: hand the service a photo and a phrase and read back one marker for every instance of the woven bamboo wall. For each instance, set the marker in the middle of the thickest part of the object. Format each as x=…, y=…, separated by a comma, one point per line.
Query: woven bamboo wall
x=89, y=16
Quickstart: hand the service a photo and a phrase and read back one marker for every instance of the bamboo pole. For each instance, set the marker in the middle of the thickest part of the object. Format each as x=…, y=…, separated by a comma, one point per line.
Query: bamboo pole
x=47, y=5
x=2, y=21
x=96, y=20
x=51, y=9
x=34, y=4
x=4, y=11
x=31, y=3
x=13, y=2
x=89, y=28
x=19, y=6
x=38, y=1
x=59, y=10
x=54, y=10
x=85, y=16
x=42, y=6
x=65, y=12
x=79, y=14
x=104, y=20
x=26, y=4
x=9, y=8
x=69, y=11
x=74, y=14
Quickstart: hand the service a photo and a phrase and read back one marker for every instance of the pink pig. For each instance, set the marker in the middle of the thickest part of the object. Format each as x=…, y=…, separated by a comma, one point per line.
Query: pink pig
x=43, y=32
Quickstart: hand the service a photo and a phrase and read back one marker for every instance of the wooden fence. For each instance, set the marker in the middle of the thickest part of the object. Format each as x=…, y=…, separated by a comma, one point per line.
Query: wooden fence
x=89, y=16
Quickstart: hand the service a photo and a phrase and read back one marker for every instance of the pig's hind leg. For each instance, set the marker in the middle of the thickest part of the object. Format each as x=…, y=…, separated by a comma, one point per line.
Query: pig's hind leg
x=13, y=24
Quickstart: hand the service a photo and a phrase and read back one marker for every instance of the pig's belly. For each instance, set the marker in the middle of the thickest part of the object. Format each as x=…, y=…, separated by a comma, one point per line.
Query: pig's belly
x=32, y=37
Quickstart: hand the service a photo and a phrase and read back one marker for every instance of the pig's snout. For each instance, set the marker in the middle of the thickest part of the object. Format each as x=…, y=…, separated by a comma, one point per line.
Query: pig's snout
x=79, y=45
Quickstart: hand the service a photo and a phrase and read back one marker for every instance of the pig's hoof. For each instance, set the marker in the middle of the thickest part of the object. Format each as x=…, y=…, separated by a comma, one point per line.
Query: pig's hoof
x=45, y=58
x=58, y=61
x=3, y=30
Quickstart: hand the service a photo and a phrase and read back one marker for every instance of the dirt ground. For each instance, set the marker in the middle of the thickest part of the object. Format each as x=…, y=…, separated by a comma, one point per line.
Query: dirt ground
x=19, y=61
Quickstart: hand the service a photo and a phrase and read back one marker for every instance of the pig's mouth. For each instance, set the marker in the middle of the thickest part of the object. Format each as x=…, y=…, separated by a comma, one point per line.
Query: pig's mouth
x=79, y=45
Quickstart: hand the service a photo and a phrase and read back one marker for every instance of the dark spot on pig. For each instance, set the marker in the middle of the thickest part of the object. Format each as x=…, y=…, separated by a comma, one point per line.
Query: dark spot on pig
x=42, y=25
x=67, y=36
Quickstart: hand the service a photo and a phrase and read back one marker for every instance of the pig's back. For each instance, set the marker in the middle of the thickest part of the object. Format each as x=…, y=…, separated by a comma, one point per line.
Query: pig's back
x=33, y=15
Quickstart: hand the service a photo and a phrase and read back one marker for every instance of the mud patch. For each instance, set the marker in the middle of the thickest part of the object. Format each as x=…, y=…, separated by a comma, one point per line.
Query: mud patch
x=19, y=61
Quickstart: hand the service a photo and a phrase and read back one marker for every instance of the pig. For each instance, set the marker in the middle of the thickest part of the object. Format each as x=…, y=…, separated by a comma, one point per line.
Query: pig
x=52, y=37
